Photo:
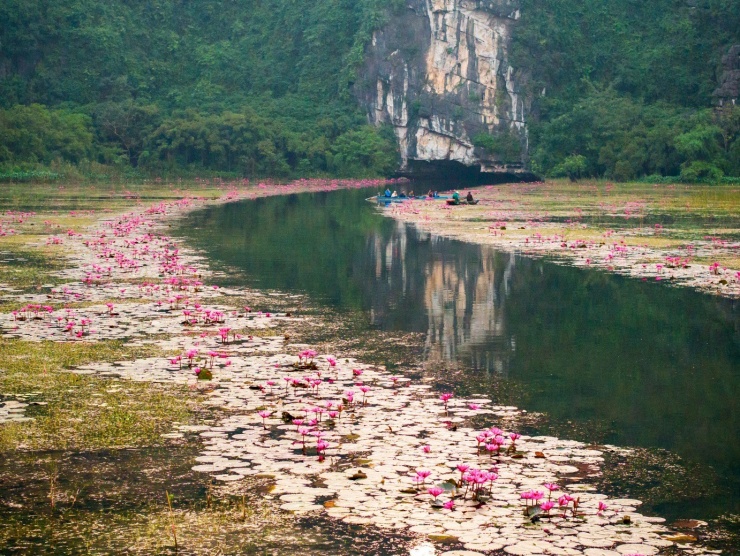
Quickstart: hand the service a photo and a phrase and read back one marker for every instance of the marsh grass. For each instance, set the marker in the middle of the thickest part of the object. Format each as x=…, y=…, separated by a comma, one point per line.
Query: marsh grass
x=51, y=200
x=228, y=525
x=558, y=198
x=661, y=217
x=114, y=501
x=28, y=268
x=562, y=195
x=216, y=530
x=83, y=412
x=727, y=261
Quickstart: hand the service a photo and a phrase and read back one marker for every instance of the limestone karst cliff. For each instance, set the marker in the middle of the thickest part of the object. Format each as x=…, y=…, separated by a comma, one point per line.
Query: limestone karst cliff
x=438, y=72
x=728, y=91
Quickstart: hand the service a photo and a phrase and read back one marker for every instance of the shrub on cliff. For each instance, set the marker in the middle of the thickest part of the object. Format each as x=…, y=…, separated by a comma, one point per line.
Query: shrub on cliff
x=502, y=147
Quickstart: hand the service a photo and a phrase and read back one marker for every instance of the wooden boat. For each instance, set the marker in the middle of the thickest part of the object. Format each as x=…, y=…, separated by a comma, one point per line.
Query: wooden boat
x=384, y=199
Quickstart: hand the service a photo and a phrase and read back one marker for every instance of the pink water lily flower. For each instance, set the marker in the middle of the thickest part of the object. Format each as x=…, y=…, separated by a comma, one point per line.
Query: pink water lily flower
x=435, y=491
x=264, y=414
x=224, y=333
x=422, y=474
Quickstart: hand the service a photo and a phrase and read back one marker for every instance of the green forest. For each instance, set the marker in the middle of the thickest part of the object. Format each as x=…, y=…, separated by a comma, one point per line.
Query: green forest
x=256, y=88
x=629, y=87
x=264, y=87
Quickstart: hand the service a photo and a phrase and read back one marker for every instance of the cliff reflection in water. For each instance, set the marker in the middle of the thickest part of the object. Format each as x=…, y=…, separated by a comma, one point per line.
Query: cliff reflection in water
x=461, y=292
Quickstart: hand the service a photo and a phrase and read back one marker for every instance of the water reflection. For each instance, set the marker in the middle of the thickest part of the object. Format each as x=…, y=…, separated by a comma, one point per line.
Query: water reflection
x=460, y=291
x=659, y=367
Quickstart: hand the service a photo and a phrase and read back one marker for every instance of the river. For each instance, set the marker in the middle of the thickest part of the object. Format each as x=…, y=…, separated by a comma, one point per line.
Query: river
x=594, y=356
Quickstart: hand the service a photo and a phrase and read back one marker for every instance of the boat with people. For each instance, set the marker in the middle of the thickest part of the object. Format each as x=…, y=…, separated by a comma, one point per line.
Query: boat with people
x=457, y=201
x=398, y=198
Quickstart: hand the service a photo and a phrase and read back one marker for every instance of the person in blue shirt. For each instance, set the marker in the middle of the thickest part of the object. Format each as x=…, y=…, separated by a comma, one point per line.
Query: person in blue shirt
x=387, y=192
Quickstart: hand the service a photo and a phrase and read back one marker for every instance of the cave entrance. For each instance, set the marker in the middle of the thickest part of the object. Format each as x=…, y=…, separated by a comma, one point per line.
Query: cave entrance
x=453, y=173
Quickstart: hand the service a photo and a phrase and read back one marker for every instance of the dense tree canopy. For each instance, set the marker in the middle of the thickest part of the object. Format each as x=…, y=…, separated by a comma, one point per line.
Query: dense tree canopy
x=626, y=85
x=621, y=88
x=241, y=86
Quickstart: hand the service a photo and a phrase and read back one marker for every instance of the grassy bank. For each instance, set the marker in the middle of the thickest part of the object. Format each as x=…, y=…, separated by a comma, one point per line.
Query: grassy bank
x=79, y=412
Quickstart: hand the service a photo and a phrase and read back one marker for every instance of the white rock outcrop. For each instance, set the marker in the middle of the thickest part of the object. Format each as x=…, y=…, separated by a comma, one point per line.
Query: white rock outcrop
x=439, y=73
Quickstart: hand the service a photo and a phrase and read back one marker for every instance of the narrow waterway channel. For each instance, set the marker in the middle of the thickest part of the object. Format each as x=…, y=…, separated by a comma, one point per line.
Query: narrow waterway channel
x=604, y=358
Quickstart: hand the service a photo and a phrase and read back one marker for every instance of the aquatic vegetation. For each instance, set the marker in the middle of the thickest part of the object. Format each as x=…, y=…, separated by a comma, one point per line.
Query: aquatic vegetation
x=306, y=360
x=265, y=415
x=364, y=389
x=369, y=462
x=435, y=492
x=224, y=334
x=446, y=397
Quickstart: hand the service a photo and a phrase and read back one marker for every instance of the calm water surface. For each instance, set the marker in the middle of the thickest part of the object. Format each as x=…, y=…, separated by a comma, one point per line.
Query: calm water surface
x=653, y=366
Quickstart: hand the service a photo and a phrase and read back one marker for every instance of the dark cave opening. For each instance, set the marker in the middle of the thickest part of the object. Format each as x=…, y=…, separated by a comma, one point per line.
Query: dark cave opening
x=441, y=172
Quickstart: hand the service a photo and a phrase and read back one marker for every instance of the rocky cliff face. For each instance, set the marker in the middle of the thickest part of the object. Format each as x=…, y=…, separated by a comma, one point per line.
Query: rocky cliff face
x=728, y=91
x=439, y=73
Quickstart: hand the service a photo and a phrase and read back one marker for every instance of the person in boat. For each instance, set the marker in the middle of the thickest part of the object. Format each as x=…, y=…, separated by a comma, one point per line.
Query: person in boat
x=430, y=193
x=387, y=192
x=411, y=193
x=469, y=197
x=402, y=195
x=456, y=197
x=394, y=194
